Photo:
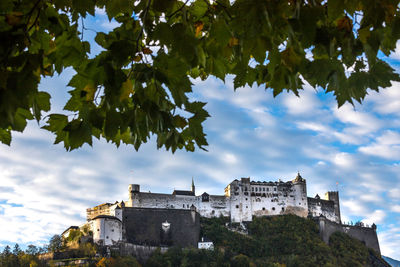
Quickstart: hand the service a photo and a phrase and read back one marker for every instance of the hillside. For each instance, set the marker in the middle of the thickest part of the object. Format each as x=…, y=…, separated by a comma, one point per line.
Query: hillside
x=272, y=241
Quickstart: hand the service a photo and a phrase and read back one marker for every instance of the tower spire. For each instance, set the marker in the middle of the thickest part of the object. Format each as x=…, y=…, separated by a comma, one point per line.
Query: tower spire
x=193, y=187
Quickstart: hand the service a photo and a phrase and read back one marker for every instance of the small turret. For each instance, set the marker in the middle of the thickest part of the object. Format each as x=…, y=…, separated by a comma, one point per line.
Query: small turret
x=193, y=187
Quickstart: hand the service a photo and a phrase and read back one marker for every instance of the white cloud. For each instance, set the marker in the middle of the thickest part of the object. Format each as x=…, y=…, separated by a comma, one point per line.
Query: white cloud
x=395, y=208
x=387, y=101
x=306, y=104
x=344, y=160
x=376, y=217
x=363, y=122
x=386, y=146
x=394, y=193
x=229, y=158
x=355, y=207
x=389, y=240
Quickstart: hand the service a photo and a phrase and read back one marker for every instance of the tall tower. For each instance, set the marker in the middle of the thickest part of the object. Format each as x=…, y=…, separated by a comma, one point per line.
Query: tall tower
x=334, y=196
x=193, y=187
x=132, y=189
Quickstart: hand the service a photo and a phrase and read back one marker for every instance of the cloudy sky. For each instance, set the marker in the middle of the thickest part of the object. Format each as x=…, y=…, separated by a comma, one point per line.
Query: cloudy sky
x=44, y=189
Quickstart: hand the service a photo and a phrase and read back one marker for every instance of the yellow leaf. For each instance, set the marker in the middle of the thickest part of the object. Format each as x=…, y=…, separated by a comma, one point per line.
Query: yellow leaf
x=137, y=58
x=126, y=90
x=91, y=89
x=147, y=51
x=233, y=41
x=199, y=26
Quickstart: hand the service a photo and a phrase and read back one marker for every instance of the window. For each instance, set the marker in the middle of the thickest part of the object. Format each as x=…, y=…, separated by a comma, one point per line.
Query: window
x=187, y=205
x=245, y=189
x=273, y=208
x=267, y=189
x=247, y=207
x=256, y=189
x=252, y=189
x=107, y=237
x=237, y=206
x=283, y=209
x=112, y=230
x=263, y=208
x=274, y=188
x=98, y=230
x=183, y=205
x=246, y=198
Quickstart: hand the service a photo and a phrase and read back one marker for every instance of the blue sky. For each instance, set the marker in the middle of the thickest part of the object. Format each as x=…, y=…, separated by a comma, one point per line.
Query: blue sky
x=45, y=189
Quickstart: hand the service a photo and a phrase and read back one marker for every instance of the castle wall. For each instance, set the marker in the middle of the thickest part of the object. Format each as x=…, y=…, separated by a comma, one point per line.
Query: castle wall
x=366, y=235
x=326, y=208
x=213, y=206
x=161, y=201
x=266, y=198
x=144, y=226
x=106, y=231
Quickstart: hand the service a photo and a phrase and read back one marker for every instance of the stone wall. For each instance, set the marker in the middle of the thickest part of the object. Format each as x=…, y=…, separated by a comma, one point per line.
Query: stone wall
x=144, y=226
x=366, y=235
x=141, y=253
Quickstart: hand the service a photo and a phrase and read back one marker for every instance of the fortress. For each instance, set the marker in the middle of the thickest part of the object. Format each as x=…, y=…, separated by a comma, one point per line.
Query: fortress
x=242, y=200
x=157, y=219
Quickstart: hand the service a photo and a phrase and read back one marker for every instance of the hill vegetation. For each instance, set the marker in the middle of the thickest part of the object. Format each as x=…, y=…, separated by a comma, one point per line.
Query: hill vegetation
x=271, y=241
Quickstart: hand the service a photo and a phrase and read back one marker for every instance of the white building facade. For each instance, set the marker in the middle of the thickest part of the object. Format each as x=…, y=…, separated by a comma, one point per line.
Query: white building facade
x=242, y=200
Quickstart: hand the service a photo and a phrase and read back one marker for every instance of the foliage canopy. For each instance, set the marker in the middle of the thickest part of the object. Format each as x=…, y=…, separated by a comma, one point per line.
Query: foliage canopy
x=275, y=241
x=139, y=84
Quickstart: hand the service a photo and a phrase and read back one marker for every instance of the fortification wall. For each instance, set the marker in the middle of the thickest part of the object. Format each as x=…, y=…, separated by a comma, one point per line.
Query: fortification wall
x=141, y=253
x=366, y=235
x=143, y=226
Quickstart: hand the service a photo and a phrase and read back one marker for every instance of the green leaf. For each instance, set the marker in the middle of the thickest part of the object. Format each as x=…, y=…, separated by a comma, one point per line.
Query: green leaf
x=83, y=7
x=115, y=7
x=198, y=8
x=41, y=103
x=20, y=119
x=5, y=136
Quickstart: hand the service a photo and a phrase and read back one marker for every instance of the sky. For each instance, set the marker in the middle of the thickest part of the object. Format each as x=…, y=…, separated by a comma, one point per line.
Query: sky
x=354, y=149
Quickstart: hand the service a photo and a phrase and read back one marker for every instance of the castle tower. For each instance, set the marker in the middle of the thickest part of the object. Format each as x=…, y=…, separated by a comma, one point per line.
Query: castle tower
x=132, y=190
x=334, y=196
x=300, y=195
x=193, y=187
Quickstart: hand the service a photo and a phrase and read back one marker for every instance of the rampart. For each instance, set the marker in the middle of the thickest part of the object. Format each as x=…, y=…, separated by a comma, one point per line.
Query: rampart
x=161, y=227
x=366, y=235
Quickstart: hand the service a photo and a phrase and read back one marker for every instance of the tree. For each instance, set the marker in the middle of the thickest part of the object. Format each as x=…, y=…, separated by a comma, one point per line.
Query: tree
x=139, y=85
x=32, y=250
x=55, y=243
x=17, y=250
